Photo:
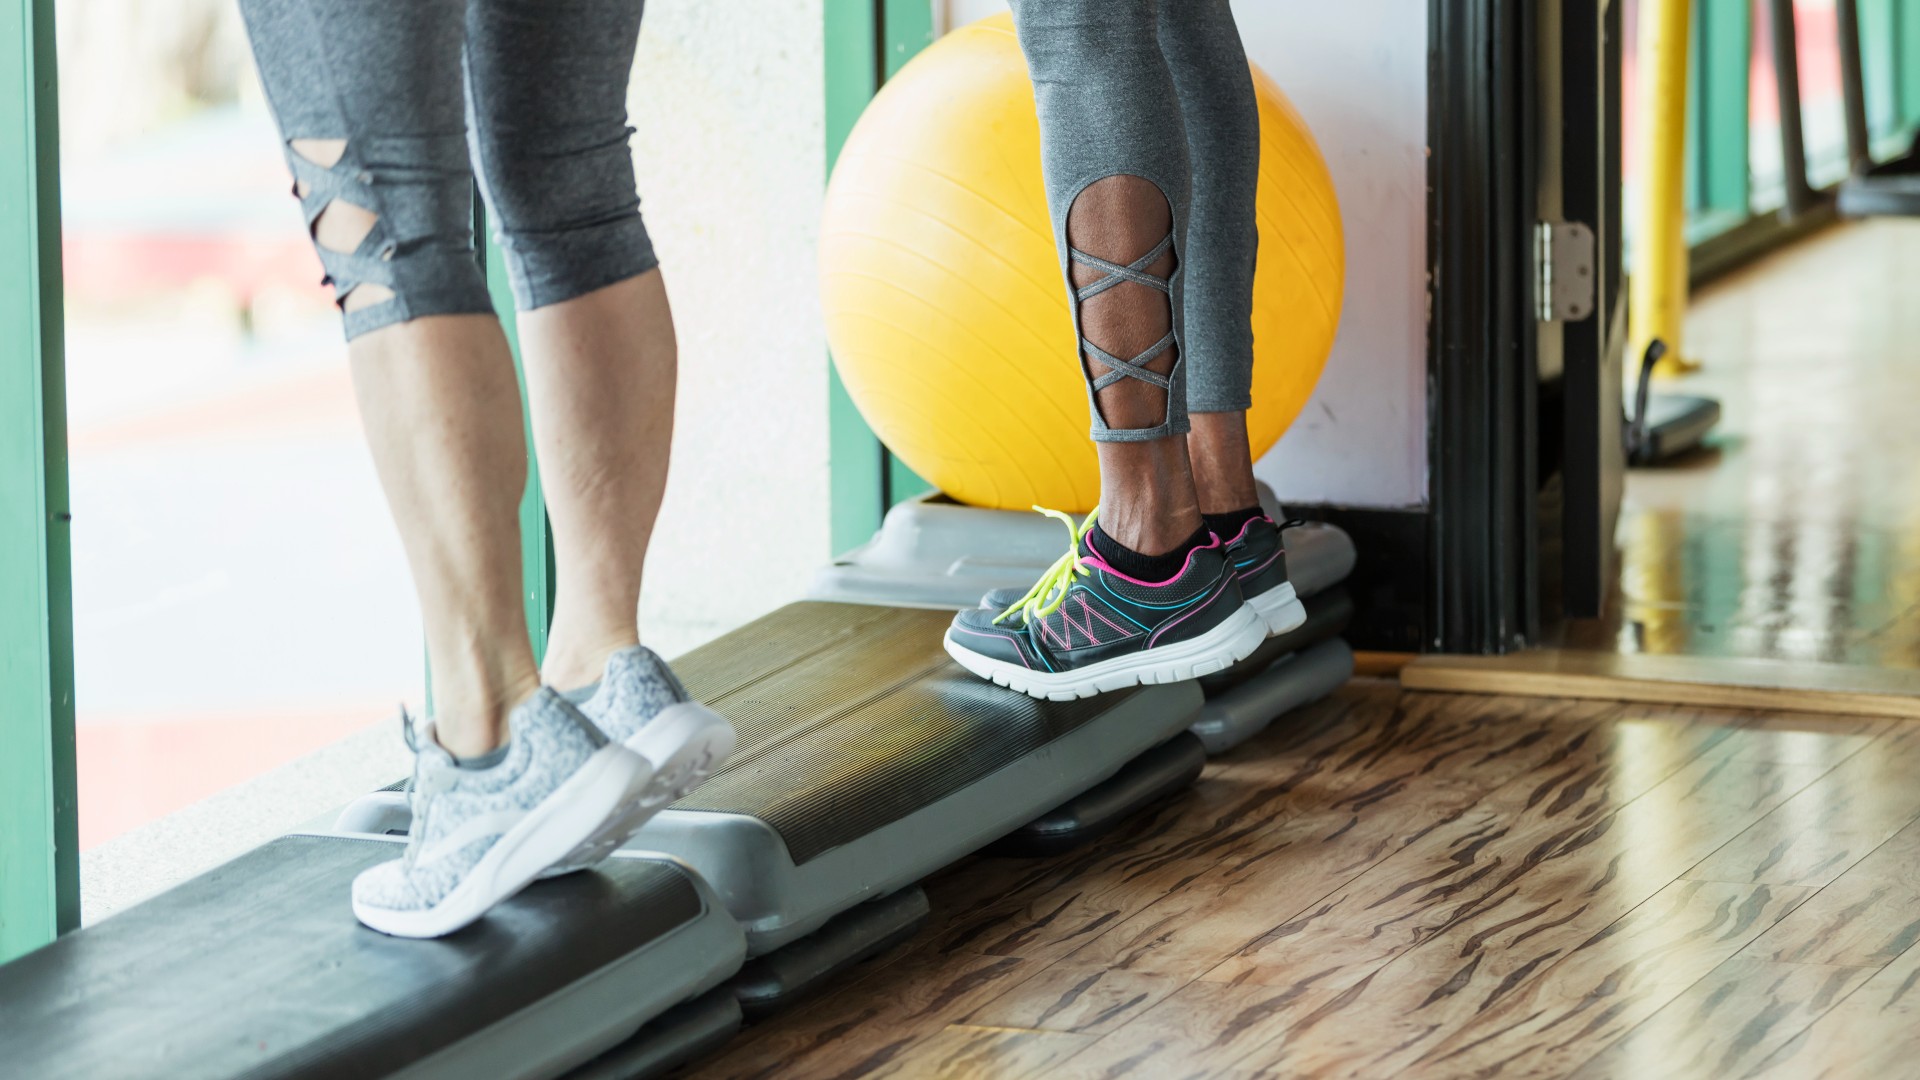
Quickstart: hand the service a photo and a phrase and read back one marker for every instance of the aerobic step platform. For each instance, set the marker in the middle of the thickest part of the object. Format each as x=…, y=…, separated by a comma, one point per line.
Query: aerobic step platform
x=868, y=759
x=258, y=969
x=934, y=552
x=1288, y=671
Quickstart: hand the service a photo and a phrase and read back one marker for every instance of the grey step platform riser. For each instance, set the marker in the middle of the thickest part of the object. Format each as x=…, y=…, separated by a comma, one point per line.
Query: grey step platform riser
x=1158, y=774
x=1231, y=718
x=777, y=902
x=931, y=552
x=775, y=981
x=585, y=1010
x=685, y=1033
x=1328, y=615
x=258, y=969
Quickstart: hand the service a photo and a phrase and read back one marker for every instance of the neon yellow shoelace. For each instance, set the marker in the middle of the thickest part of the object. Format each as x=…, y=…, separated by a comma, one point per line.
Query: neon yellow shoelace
x=1050, y=591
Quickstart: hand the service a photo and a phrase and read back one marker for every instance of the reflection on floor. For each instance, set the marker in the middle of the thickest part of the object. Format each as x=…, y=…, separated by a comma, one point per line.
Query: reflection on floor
x=1403, y=884
x=1796, y=534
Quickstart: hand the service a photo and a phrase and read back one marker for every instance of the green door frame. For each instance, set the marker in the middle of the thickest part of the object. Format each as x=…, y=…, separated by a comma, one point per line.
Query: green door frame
x=39, y=834
x=866, y=41
x=39, y=842
x=1717, y=126
x=536, y=531
x=1723, y=229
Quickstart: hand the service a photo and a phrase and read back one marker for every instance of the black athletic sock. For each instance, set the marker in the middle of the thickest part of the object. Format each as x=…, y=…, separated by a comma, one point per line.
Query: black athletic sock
x=1147, y=567
x=1228, y=525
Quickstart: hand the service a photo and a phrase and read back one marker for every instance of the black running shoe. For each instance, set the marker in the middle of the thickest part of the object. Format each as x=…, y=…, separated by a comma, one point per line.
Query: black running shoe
x=1260, y=561
x=1085, y=628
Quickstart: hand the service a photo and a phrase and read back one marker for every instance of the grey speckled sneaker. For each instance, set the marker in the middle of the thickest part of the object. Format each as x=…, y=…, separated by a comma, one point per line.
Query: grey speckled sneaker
x=563, y=792
x=640, y=703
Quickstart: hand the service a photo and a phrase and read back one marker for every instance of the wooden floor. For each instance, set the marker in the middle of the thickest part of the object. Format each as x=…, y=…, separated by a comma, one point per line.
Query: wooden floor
x=1796, y=536
x=1405, y=884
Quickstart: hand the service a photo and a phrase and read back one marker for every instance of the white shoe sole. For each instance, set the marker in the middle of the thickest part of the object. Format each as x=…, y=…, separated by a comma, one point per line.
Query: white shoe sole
x=683, y=744
x=1280, y=607
x=1219, y=648
x=557, y=830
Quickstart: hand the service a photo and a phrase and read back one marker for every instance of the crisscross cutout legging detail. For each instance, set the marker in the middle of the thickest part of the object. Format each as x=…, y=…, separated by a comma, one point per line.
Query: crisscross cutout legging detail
x=1135, y=272
x=1160, y=90
x=420, y=95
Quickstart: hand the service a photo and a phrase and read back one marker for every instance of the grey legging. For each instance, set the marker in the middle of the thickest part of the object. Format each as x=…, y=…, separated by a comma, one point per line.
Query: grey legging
x=532, y=92
x=1158, y=89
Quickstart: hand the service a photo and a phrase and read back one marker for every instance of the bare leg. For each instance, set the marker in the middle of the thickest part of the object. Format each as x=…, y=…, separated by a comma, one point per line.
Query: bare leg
x=1222, y=462
x=600, y=375
x=442, y=412
x=1147, y=498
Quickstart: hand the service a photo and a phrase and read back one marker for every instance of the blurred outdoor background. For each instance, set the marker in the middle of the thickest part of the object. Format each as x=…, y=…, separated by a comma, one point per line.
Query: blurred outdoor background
x=240, y=598
x=245, y=628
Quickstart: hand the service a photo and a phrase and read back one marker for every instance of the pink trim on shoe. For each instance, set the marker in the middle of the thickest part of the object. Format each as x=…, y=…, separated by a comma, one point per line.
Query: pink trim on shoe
x=1104, y=567
x=1067, y=617
x=1242, y=535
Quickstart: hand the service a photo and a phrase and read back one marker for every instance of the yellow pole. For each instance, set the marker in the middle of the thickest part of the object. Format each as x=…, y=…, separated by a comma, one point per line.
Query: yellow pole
x=1659, y=300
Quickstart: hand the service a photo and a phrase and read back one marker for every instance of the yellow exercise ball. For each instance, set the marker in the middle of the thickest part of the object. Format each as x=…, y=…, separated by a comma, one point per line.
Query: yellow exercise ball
x=944, y=303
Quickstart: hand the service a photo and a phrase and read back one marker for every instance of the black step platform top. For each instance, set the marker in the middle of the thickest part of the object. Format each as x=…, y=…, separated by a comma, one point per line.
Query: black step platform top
x=852, y=717
x=258, y=969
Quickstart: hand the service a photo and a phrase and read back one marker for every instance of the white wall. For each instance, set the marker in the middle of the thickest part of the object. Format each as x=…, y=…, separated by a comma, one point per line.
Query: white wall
x=727, y=100
x=1358, y=73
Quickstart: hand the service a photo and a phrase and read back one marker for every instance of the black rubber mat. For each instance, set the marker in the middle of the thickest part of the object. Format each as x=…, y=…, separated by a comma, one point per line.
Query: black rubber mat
x=852, y=717
x=258, y=969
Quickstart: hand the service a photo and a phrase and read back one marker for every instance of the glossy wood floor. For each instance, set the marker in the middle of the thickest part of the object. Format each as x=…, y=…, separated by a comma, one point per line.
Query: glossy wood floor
x=1404, y=884
x=1796, y=535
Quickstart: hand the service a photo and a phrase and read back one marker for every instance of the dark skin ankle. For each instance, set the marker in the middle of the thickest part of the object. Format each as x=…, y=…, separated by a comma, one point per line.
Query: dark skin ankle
x=1222, y=462
x=1153, y=510
x=1148, y=502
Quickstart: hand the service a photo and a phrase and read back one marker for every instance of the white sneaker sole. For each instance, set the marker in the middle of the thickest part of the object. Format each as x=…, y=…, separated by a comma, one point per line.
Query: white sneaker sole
x=684, y=744
x=1219, y=648
x=1281, y=608
x=555, y=831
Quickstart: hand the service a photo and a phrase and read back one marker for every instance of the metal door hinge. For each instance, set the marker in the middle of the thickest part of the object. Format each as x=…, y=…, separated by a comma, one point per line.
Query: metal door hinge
x=1563, y=271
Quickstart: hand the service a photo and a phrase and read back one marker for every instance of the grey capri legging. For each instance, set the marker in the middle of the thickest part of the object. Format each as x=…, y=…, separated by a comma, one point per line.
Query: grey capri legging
x=1159, y=89
x=531, y=92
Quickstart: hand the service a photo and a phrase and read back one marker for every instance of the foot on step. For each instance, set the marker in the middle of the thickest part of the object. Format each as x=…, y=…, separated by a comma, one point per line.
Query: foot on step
x=479, y=835
x=639, y=702
x=1259, y=558
x=1085, y=628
